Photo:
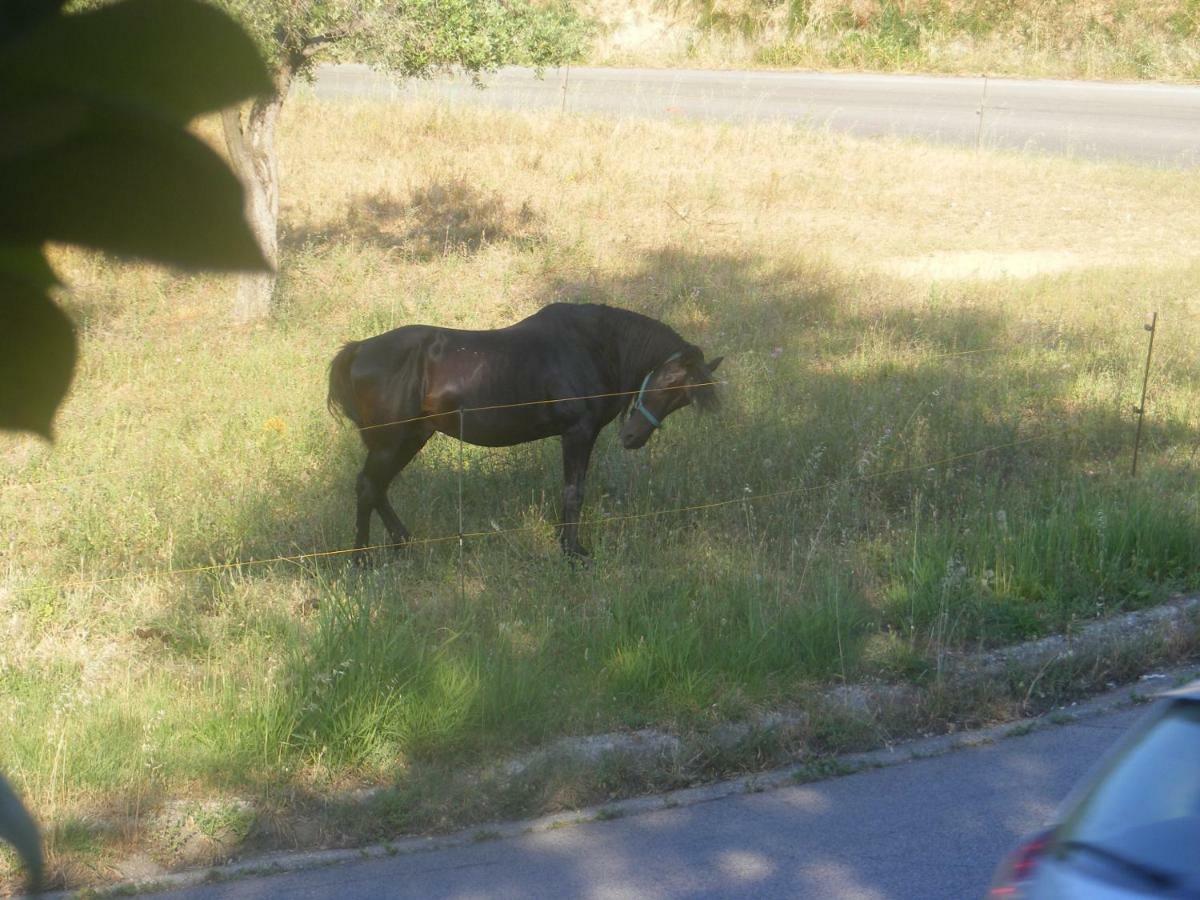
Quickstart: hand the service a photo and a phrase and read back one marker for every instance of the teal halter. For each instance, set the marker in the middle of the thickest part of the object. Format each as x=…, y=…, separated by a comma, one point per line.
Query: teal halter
x=638, y=405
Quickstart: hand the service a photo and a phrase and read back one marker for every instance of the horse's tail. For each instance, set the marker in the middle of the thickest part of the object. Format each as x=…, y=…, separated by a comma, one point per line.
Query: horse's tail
x=340, y=400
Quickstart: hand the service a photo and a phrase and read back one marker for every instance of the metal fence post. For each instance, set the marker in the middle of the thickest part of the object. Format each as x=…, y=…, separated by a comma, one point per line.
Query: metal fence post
x=1140, y=409
x=462, y=572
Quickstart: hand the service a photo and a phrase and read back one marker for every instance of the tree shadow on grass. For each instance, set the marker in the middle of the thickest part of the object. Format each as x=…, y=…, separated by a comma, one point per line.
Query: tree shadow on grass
x=842, y=424
x=844, y=419
x=436, y=219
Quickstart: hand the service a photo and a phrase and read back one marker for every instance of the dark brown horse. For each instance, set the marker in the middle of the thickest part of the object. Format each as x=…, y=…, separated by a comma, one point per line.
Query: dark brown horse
x=567, y=370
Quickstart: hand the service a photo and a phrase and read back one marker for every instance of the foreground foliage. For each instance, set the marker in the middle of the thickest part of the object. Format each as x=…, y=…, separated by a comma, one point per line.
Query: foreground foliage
x=95, y=154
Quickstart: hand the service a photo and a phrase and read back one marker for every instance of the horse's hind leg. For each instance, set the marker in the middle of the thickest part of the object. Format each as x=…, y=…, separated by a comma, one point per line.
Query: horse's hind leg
x=384, y=462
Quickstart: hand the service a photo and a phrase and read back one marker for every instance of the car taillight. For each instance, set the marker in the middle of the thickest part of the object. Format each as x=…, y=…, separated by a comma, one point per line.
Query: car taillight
x=1018, y=867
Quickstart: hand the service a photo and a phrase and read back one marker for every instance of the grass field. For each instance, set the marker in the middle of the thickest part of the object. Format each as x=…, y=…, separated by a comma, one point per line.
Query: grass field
x=887, y=311
x=1106, y=39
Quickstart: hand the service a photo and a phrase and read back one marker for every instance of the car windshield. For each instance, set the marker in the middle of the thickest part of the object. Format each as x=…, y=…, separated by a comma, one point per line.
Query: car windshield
x=1145, y=809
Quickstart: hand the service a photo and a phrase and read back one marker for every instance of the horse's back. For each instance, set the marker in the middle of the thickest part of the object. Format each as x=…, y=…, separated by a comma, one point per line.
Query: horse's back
x=426, y=370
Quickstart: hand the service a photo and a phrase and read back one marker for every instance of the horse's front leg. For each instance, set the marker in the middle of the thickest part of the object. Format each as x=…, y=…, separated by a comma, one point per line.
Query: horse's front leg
x=577, y=453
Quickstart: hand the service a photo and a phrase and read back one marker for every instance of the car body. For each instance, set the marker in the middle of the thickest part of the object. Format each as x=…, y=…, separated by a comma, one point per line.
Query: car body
x=1130, y=829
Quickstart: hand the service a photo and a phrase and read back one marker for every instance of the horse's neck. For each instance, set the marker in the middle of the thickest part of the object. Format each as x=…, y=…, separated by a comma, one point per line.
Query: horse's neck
x=645, y=347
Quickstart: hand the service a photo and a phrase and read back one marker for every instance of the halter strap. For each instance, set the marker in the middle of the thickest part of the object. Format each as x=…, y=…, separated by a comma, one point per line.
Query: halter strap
x=638, y=405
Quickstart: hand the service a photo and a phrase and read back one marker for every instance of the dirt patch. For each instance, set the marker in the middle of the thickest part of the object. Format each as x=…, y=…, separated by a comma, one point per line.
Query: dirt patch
x=638, y=26
x=1172, y=621
x=198, y=833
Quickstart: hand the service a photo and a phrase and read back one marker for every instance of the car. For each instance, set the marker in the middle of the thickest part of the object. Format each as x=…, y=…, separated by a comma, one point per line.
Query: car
x=1130, y=829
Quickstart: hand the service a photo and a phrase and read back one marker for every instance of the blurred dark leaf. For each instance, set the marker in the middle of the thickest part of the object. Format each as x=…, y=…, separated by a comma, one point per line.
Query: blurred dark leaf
x=30, y=123
x=91, y=152
x=17, y=827
x=37, y=345
x=27, y=265
x=178, y=58
x=105, y=178
x=18, y=16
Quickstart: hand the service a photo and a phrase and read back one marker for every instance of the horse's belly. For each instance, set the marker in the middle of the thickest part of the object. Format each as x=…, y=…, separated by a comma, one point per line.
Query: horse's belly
x=502, y=428
x=506, y=397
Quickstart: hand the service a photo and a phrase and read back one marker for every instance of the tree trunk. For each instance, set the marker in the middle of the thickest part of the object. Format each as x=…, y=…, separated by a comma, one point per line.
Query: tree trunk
x=251, y=145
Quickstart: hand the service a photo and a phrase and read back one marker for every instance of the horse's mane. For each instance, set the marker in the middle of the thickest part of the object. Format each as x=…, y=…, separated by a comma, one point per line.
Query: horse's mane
x=642, y=344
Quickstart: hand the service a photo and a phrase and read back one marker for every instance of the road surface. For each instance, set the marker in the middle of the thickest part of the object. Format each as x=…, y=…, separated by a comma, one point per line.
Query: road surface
x=921, y=830
x=1144, y=123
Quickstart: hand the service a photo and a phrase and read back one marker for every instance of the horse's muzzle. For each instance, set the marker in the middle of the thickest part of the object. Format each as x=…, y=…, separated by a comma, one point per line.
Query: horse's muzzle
x=635, y=438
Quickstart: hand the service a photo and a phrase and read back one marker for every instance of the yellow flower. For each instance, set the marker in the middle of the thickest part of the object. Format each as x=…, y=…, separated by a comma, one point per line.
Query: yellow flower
x=275, y=424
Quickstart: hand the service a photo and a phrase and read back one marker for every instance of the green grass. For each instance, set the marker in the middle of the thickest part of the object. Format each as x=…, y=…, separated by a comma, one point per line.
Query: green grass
x=859, y=534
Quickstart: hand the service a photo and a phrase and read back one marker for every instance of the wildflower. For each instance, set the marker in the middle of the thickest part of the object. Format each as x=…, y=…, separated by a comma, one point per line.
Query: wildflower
x=276, y=425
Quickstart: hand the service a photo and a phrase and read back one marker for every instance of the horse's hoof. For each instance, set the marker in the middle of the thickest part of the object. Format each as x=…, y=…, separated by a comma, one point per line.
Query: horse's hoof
x=577, y=556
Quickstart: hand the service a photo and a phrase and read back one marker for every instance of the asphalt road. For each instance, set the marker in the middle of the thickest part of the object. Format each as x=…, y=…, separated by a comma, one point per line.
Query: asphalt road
x=1145, y=123
x=927, y=829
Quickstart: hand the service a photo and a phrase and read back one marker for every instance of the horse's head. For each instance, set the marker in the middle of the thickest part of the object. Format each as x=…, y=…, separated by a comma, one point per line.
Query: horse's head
x=683, y=378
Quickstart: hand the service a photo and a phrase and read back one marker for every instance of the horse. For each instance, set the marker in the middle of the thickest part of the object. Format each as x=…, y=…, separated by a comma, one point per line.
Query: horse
x=567, y=370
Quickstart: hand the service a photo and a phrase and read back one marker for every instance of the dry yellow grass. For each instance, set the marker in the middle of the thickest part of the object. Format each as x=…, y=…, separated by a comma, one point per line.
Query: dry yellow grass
x=763, y=190
x=1055, y=38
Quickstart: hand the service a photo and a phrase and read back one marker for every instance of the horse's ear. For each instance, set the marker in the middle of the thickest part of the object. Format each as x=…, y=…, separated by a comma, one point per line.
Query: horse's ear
x=712, y=364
